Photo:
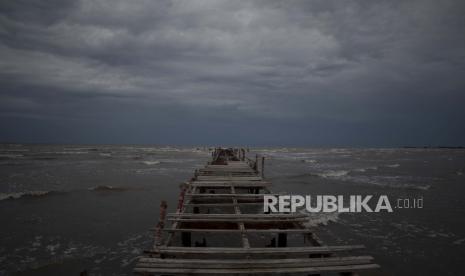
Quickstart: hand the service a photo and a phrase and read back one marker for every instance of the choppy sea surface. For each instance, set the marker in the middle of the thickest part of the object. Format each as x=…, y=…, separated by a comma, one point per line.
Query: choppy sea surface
x=69, y=208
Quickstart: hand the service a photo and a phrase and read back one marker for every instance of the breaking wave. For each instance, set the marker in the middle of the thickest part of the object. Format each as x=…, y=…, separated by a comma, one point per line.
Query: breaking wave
x=151, y=163
x=39, y=194
x=309, y=161
x=396, y=182
x=11, y=156
x=374, y=168
x=315, y=219
x=333, y=174
x=6, y=196
x=107, y=188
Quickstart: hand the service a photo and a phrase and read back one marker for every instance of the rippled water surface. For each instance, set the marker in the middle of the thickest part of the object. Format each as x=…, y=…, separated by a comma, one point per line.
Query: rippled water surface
x=68, y=208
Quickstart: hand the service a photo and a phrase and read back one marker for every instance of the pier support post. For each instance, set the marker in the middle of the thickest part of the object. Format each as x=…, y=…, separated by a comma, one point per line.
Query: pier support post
x=181, y=199
x=255, y=165
x=161, y=223
x=263, y=167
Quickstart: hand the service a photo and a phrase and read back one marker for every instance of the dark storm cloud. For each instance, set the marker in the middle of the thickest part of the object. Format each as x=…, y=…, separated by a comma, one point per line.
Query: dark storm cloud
x=272, y=72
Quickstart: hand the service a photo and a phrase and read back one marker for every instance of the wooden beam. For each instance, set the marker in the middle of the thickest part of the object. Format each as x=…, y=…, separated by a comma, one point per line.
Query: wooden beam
x=247, y=220
x=253, y=263
x=224, y=204
x=230, y=164
x=254, y=250
x=226, y=175
x=237, y=216
x=201, y=271
x=237, y=210
x=226, y=178
x=210, y=230
x=228, y=195
x=240, y=219
x=228, y=169
x=229, y=184
x=228, y=181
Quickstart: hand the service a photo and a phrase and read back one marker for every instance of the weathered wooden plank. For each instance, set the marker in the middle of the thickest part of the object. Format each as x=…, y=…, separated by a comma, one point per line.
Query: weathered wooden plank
x=241, y=225
x=237, y=163
x=238, y=176
x=228, y=181
x=227, y=169
x=228, y=195
x=224, y=171
x=230, y=163
x=202, y=230
x=255, y=250
x=226, y=174
x=252, y=263
x=242, y=166
x=213, y=200
x=312, y=261
x=310, y=269
x=226, y=178
x=227, y=185
x=193, y=204
x=248, y=220
x=238, y=216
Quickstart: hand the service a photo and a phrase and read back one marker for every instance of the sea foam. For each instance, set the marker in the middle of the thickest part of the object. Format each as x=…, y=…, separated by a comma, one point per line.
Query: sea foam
x=5, y=196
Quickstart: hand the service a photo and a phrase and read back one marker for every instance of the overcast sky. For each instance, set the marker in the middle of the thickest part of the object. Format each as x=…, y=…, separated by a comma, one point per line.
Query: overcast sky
x=304, y=73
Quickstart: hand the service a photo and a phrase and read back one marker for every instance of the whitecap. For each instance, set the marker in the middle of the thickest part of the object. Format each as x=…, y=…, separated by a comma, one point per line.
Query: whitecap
x=333, y=174
x=150, y=163
x=53, y=247
x=366, y=169
x=395, y=182
x=315, y=219
x=11, y=156
x=4, y=196
x=66, y=152
x=106, y=188
x=309, y=161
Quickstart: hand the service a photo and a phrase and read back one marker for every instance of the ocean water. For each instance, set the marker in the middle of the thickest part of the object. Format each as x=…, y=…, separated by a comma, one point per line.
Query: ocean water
x=69, y=208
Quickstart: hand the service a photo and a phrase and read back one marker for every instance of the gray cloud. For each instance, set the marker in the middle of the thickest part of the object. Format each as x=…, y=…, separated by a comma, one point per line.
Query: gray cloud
x=252, y=72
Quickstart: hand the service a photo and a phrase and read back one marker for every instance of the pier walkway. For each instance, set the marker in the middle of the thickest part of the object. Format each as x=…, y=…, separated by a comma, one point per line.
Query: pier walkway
x=219, y=228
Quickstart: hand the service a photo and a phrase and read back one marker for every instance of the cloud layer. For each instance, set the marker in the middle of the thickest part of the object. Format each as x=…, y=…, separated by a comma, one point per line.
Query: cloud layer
x=243, y=72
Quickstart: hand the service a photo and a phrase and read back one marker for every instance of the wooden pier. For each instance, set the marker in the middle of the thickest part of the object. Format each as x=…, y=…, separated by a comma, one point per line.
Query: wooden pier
x=219, y=228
